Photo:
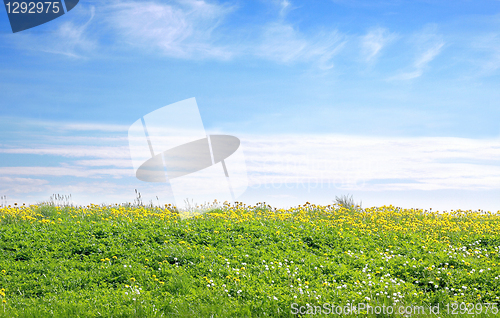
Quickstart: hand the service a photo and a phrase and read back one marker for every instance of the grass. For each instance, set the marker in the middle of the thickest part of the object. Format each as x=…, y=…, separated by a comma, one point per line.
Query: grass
x=244, y=261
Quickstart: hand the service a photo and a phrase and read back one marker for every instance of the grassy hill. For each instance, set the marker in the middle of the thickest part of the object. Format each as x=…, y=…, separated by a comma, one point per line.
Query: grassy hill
x=246, y=261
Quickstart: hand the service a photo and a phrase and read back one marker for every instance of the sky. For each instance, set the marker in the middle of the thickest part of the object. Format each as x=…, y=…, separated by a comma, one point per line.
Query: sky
x=393, y=102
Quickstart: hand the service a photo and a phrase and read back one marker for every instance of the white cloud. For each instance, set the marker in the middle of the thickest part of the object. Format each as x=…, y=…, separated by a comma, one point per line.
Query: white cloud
x=428, y=55
x=285, y=6
x=281, y=42
x=120, y=163
x=188, y=30
x=374, y=41
x=346, y=161
x=68, y=171
x=70, y=38
x=115, y=152
x=183, y=30
x=351, y=162
x=428, y=45
x=15, y=185
x=288, y=163
x=487, y=48
x=91, y=127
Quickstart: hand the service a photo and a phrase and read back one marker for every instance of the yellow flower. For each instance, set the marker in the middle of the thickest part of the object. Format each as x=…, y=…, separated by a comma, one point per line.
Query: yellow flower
x=132, y=279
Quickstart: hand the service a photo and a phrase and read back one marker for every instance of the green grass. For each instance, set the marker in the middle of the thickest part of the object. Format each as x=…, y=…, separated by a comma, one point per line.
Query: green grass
x=242, y=261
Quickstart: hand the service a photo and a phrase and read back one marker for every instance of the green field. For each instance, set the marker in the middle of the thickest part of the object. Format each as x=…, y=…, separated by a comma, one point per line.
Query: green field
x=246, y=261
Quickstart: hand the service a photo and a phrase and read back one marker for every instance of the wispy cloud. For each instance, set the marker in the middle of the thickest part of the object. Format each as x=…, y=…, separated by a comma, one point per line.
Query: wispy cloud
x=281, y=42
x=428, y=44
x=187, y=29
x=73, y=151
x=351, y=162
x=68, y=171
x=487, y=48
x=374, y=41
x=70, y=39
x=286, y=163
x=285, y=7
x=182, y=29
x=16, y=185
x=428, y=55
x=422, y=163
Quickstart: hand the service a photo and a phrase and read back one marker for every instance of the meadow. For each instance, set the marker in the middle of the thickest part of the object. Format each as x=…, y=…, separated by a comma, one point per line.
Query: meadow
x=247, y=261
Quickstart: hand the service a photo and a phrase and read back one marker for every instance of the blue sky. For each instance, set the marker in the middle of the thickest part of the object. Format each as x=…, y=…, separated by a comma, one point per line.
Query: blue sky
x=395, y=102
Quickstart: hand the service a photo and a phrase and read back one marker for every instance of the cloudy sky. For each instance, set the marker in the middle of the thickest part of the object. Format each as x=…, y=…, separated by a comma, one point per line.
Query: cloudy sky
x=394, y=102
